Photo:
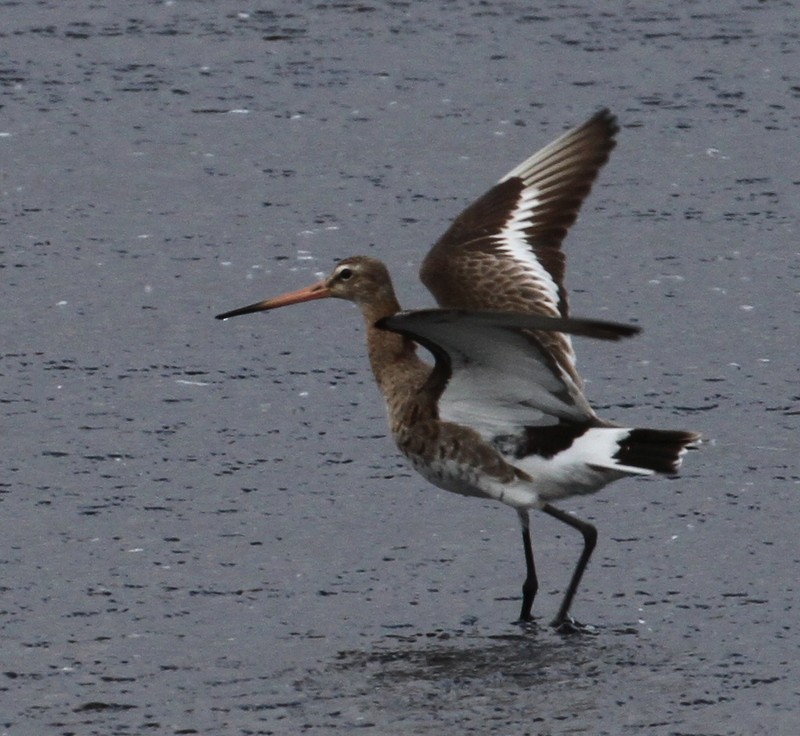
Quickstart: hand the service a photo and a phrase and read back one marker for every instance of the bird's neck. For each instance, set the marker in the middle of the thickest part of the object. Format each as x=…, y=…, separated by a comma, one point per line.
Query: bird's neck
x=393, y=357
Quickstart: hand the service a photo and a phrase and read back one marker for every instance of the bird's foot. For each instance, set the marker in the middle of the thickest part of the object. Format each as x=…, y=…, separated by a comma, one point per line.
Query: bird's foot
x=569, y=627
x=526, y=622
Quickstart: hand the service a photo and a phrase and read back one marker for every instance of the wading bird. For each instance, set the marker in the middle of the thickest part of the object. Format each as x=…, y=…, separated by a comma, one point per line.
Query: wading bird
x=501, y=414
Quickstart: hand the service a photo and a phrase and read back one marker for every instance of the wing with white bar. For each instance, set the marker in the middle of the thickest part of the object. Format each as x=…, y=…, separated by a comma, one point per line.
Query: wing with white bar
x=504, y=251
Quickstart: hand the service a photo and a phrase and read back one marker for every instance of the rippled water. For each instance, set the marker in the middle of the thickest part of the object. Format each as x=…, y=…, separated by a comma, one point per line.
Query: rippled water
x=205, y=528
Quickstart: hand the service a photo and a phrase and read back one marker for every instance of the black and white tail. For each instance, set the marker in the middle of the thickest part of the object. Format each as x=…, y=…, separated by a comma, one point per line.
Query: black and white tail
x=654, y=450
x=570, y=459
x=627, y=451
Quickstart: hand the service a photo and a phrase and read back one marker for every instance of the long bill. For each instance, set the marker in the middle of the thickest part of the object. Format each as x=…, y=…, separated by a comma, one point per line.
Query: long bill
x=319, y=290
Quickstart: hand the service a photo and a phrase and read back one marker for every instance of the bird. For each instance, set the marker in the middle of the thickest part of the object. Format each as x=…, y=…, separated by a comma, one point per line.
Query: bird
x=501, y=413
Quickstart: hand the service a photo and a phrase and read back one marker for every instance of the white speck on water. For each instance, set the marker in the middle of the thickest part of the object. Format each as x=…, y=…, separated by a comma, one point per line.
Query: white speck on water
x=5, y=134
x=144, y=236
x=62, y=303
x=667, y=277
x=239, y=111
x=304, y=255
x=226, y=263
x=136, y=549
x=303, y=393
x=184, y=382
x=747, y=307
x=148, y=289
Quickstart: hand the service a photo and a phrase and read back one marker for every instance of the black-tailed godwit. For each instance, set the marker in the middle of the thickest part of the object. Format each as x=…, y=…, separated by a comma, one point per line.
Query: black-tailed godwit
x=501, y=414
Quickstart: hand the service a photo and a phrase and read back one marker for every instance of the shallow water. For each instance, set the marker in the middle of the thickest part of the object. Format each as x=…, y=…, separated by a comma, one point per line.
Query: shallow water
x=205, y=526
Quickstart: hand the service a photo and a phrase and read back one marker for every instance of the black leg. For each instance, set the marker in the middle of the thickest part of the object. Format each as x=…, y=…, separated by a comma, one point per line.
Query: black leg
x=562, y=619
x=531, y=584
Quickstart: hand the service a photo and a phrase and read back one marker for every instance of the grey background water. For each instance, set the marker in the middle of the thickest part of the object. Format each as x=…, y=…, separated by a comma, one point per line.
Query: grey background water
x=204, y=526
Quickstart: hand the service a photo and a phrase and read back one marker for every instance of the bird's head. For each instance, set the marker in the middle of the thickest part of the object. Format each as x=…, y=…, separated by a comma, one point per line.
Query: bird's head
x=358, y=279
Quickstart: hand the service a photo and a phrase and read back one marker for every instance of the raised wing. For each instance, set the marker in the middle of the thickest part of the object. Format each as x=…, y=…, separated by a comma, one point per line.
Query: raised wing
x=504, y=251
x=491, y=375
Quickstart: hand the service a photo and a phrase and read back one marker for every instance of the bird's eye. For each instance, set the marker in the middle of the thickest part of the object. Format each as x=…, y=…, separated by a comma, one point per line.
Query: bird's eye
x=345, y=274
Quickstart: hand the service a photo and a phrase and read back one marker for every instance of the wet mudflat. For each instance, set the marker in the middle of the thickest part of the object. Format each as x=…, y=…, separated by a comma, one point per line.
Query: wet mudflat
x=205, y=528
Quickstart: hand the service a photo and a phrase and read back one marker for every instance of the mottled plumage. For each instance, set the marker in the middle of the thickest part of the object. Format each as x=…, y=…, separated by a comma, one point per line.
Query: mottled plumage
x=507, y=244
x=501, y=414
